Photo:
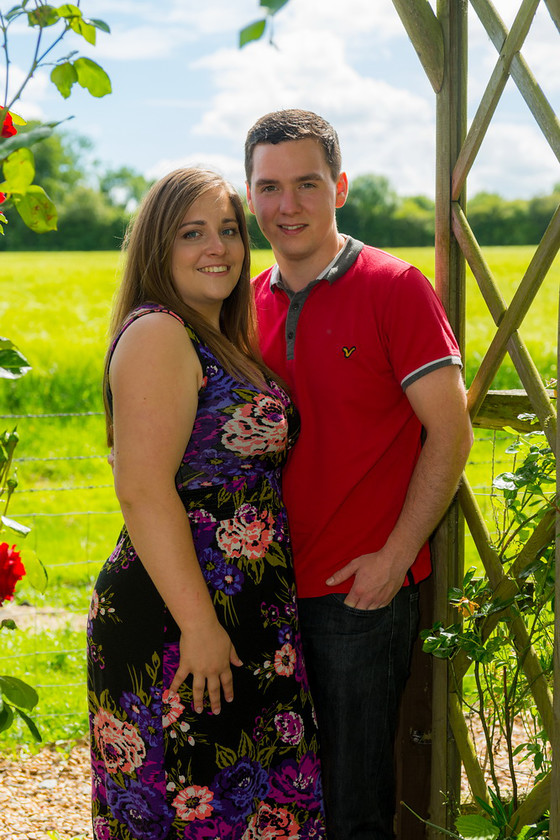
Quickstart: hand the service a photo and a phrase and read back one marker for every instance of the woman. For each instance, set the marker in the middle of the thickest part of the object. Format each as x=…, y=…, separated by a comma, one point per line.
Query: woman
x=196, y=605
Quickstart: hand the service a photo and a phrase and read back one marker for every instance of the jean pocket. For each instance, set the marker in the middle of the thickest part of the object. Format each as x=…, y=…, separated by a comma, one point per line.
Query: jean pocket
x=339, y=598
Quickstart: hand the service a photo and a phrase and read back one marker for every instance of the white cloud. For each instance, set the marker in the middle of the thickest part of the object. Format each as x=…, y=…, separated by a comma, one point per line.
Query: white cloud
x=379, y=124
x=39, y=89
x=229, y=167
x=515, y=161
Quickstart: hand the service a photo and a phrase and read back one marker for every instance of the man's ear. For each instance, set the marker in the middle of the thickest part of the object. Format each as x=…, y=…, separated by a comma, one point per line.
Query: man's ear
x=341, y=189
x=249, y=199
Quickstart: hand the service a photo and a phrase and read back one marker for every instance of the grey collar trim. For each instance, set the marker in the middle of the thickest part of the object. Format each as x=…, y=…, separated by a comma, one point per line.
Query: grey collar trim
x=339, y=266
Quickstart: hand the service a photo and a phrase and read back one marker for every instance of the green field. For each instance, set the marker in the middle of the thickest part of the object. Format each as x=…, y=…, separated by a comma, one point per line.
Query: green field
x=55, y=307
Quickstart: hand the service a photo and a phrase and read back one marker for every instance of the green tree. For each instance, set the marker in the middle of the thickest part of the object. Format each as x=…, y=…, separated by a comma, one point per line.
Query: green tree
x=369, y=209
x=496, y=221
x=123, y=187
x=413, y=223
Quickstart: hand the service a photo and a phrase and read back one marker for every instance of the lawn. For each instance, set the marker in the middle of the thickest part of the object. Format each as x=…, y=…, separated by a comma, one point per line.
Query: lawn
x=55, y=307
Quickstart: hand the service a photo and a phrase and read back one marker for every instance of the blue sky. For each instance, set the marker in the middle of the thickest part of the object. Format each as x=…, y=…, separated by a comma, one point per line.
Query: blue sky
x=183, y=93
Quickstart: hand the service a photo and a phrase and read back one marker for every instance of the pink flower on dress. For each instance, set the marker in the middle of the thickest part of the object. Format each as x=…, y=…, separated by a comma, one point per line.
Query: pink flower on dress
x=193, y=803
x=174, y=708
x=249, y=533
x=94, y=606
x=271, y=824
x=285, y=660
x=119, y=743
x=101, y=829
x=257, y=427
x=289, y=726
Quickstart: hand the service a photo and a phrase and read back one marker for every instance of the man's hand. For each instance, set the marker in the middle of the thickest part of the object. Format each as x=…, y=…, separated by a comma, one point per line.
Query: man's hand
x=377, y=580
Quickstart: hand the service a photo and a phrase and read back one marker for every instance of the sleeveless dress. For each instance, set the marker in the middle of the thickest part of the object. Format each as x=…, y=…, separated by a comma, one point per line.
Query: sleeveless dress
x=159, y=770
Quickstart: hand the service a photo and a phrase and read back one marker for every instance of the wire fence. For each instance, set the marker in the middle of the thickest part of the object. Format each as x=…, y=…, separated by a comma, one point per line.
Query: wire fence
x=73, y=540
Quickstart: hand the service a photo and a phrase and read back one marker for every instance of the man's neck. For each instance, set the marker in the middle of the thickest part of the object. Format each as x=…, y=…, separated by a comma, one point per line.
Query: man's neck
x=297, y=274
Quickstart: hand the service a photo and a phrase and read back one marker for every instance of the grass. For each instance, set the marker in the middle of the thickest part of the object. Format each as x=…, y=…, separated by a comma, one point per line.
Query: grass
x=55, y=307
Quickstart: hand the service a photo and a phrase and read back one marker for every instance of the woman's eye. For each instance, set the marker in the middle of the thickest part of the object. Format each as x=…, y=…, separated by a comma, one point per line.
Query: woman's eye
x=230, y=232
x=191, y=234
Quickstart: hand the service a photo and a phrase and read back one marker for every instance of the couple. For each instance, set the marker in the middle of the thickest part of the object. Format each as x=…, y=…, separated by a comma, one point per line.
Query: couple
x=202, y=724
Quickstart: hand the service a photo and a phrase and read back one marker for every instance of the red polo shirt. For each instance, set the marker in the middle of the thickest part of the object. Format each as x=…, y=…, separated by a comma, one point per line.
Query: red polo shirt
x=348, y=345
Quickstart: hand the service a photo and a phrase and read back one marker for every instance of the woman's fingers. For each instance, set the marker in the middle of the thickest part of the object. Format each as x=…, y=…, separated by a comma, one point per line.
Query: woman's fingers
x=199, y=683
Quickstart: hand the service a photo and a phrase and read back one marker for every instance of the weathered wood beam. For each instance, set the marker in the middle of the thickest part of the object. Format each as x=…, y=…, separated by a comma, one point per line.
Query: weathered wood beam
x=518, y=308
x=491, y=96
x=424, y=30
x=502, y=408
x=526, y=368
x=448, y=542
x=521, y=74
x=555, y=734
x=533, y=806
x=475, y=775
x=554, y=10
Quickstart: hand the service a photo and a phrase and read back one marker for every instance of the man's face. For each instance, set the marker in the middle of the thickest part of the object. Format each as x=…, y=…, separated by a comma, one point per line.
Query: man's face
x=293, y=195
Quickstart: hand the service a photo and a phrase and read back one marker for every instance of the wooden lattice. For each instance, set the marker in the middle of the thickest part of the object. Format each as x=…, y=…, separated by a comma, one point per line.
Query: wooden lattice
x=440, y=39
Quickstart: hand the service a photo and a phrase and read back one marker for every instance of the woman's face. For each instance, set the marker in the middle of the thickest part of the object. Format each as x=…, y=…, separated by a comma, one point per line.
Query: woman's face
x=208, y=254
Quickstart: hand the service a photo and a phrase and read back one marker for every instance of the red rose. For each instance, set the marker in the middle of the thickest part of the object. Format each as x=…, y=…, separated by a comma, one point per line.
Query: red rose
x=2, y=198
x=11, y=570
x=8, y=128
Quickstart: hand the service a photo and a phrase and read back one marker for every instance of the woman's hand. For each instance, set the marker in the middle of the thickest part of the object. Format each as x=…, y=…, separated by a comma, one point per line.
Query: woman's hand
x=207, y=654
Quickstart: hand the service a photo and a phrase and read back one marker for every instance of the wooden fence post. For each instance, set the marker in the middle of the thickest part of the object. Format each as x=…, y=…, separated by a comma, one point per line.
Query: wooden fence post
x=555, y=734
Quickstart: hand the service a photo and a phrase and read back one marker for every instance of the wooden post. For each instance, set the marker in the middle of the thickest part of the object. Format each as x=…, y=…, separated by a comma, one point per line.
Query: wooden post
x=450, y=284
x=555, y=734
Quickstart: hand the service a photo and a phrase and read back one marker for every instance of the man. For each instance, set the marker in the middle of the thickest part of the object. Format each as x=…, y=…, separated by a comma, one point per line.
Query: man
x=363, y=342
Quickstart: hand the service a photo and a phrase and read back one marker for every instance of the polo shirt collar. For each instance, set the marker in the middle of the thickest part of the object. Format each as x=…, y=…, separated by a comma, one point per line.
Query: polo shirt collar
x=345, y=258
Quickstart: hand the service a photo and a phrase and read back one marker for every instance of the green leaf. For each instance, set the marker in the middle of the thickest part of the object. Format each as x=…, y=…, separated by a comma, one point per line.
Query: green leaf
x=6, y=716
x=92, y=77
x=22, y=530
x=100, y=24
x=13, y=364
x=36, y=573
x=476, y=827
x=31, y=726
x=19, y=171
x=13, y=13
x=43, y=16
x=29, y=138
x=252, y=32
x=85, y=29
x=37, y=210
x=8, y=624
x=18, y=692
x=69, y=10
x=63, y=76
x=273, y=6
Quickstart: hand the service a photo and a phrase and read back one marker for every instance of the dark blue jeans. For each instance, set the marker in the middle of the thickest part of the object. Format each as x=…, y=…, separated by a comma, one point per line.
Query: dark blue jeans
x=358, y=662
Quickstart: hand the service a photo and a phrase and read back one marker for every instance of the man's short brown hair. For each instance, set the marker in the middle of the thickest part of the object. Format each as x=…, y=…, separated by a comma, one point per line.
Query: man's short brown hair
x=293, y=124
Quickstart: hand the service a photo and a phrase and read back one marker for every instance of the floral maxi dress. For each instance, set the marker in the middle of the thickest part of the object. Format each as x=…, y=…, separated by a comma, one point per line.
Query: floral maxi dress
x=159, y=770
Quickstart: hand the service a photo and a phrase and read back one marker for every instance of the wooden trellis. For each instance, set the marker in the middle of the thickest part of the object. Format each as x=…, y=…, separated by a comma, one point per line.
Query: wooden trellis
x=440, y=39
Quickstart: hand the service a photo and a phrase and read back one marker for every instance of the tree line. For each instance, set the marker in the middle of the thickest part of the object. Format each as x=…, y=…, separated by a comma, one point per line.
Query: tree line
x=95, y=204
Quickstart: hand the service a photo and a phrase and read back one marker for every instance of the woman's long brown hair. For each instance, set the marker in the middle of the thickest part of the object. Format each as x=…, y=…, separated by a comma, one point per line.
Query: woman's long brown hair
x=147, y=277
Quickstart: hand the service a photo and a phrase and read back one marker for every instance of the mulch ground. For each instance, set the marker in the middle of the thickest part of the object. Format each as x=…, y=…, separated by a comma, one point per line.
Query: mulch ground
x=46, y=792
